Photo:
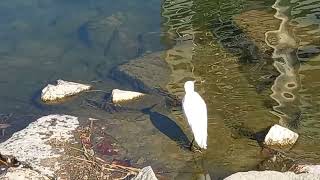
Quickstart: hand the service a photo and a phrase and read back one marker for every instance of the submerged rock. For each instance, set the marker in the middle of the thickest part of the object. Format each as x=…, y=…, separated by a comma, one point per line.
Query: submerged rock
x=22, y=174
x=271, y=175
x=280, y=136
x=145, y=73
x=39, y=144
x=146, y=173
x=62, y=90
x=121, y=95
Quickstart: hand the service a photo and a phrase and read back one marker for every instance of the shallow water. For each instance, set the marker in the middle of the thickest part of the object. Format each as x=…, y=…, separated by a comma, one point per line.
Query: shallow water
x=256, y=63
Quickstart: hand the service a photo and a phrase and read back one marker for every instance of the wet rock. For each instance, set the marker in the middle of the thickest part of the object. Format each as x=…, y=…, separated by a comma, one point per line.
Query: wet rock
x=40, y=145
x=144, y=74
x=121, y=95
x=112, y=35
x=23, y=174
x=276, y=161
x=280, y=136
x=146, y=174
x=271, y=175
x=99, y=27
x=62, y=90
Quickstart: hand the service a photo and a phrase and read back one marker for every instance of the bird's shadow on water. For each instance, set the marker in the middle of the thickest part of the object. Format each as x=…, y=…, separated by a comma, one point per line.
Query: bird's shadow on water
x=168, y=127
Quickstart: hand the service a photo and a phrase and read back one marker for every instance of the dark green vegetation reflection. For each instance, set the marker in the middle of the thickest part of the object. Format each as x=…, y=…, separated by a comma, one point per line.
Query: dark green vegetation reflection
x=256, y=69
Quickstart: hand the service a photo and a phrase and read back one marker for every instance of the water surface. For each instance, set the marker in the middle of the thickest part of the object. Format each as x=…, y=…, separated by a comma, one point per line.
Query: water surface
x=256, y=63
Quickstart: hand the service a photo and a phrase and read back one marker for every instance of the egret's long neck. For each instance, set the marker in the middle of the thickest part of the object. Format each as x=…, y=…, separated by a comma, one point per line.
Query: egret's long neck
x=189, y=90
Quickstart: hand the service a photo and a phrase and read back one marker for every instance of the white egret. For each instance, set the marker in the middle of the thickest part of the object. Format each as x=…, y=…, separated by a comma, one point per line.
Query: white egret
x=195, y=110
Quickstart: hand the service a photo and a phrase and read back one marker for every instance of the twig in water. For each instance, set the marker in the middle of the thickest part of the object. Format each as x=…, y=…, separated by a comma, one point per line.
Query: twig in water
x=91, y=125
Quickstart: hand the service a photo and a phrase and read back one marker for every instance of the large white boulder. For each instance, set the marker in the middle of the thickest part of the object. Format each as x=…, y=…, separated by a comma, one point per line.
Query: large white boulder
x=62, y=90
x=314, y=169
x=121, y=95
x=146, y=173
x=22, y=174
x=40, y=144
x=280, y=136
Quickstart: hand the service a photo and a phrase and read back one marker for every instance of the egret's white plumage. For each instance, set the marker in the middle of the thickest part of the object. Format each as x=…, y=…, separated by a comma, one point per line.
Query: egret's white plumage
x=195, y=110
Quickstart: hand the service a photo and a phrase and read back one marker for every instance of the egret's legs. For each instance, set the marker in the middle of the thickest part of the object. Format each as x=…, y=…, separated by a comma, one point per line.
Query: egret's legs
x=191, y=144
x=194, y=148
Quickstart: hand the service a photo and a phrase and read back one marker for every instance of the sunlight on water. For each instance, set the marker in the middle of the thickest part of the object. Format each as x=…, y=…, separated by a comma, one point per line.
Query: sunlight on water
x=287, y=84
x=251, y=76
x=296, y=52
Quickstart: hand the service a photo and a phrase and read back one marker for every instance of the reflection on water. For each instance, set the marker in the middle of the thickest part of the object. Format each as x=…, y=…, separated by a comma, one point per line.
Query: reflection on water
x=248, y=83
x=296, y=53
x=179, y=30
x=287, y=84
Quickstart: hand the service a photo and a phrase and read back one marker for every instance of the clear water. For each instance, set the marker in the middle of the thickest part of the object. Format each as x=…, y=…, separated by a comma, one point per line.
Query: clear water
x=257, y=62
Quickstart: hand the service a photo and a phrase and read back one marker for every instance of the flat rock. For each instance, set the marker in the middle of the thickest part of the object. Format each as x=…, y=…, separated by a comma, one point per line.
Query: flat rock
x=145, y=73
x=62, y=90
x=146, y=173
x=122, y=95
x=271, y=175
x=280, y=136
x=22, y=174
x=38, y=144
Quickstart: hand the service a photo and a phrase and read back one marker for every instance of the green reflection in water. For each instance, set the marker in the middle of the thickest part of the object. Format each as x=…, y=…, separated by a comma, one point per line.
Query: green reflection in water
x=222, y=44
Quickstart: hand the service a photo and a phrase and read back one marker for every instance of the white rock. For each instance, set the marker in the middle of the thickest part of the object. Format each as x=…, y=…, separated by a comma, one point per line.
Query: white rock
x=146, y=173
x=32, y=144
x=280, y=136
x=62, y=89
x=271, y=175
x=315, y=169
x=121, y=95
x=22, y=174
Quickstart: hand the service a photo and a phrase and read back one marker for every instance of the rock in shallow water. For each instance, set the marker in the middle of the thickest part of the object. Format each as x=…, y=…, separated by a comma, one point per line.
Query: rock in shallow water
x=121, y=95
x=34, y=145
x=145, y=73
x=280, y=136
x=62, y=90
x=146, y=174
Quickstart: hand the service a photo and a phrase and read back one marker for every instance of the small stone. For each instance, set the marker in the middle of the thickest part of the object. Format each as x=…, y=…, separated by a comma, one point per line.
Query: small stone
x=140, y=161
x=280, y=136
x=121, y=95
x=62, y=90
x=146, y=173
